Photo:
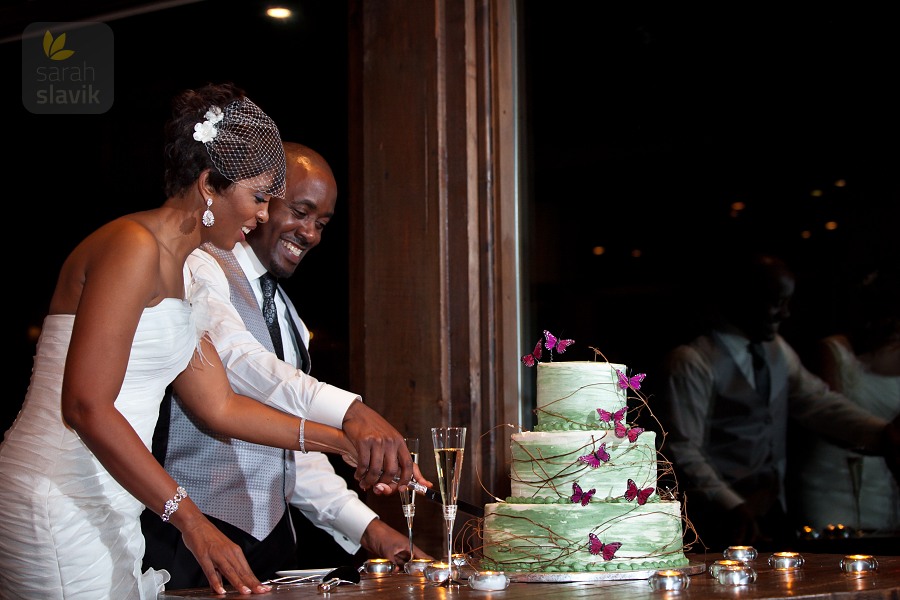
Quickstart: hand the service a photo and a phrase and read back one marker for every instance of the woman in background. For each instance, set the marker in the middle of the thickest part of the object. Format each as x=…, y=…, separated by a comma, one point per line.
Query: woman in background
x=837, y=486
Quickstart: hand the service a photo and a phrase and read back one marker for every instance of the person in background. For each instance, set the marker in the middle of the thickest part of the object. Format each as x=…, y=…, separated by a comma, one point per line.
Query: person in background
x=732, y=397
x=248, y=499
x=124, y=322
x=833, y=485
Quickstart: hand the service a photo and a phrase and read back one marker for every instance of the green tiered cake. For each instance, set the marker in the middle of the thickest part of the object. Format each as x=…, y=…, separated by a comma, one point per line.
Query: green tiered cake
x=584, y=496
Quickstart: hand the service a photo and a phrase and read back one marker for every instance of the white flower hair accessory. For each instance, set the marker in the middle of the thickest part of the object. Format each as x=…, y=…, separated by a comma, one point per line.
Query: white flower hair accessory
x=244, y=145
x=206, y=131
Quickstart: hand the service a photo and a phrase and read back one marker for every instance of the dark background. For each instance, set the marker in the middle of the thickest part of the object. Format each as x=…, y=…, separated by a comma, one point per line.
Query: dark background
x=647, y=124
x=72, y=173
x=643, y=127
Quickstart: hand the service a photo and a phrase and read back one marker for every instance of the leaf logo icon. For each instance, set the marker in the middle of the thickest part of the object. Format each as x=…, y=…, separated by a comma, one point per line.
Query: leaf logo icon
x=55, y=49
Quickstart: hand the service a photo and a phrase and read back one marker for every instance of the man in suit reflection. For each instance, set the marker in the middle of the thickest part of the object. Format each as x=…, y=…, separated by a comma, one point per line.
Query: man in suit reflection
x=246, y=488
x=731, y=395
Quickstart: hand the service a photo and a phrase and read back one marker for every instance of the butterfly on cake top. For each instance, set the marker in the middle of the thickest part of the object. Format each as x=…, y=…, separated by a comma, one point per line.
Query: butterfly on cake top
x=583, y=483
x=549, y=341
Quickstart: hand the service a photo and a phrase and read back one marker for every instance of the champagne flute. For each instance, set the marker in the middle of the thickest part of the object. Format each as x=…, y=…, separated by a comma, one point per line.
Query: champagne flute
x=408, y=495
x=449, y=447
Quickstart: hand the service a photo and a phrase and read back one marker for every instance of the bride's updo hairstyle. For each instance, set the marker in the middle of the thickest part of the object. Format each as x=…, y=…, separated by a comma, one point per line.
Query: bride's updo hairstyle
x=217, y=127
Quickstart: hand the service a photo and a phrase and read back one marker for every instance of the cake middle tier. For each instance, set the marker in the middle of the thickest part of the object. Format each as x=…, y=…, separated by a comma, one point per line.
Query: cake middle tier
x=545, y=465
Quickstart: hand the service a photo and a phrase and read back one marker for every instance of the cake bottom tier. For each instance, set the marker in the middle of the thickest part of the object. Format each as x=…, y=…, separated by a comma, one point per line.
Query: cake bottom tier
x=572, y=538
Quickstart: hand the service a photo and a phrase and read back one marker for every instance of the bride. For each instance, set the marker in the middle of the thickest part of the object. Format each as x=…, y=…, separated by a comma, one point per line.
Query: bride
x=75, y=467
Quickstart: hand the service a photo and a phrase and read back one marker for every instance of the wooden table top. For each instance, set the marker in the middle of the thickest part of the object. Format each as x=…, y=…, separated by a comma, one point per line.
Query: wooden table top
x=820, y=577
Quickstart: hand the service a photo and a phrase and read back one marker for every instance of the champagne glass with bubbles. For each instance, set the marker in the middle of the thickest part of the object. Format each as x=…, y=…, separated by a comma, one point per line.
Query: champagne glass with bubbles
x=408, y=496
x=449, y=447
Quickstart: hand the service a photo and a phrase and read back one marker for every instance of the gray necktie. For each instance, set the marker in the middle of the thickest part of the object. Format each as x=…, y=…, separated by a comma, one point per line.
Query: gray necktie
x=269, y=285
x=760, y=369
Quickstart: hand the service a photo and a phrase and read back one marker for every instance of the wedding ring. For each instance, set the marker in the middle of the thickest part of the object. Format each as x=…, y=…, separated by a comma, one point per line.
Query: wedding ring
x=396, y=479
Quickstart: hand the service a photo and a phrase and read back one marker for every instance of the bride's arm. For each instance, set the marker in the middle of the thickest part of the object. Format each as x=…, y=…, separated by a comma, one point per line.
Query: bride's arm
x=206, y=392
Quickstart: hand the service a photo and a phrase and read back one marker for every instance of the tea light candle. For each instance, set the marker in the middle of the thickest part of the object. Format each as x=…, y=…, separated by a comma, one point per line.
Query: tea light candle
x=378, y=566
x=459, y=559
x=489, y=581
x=784, y=561
x=437, y=572
x=858, y=563
x=736, y=575
x=417, y=566
x=714, y=568
x=668, y=579
x=464, y=569
x=742, y=553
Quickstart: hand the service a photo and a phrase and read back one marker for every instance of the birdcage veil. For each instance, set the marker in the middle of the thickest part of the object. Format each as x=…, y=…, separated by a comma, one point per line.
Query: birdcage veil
x=244, y=145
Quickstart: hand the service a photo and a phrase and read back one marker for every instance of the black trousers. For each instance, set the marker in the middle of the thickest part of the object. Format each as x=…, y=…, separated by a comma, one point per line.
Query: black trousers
x=166, y=550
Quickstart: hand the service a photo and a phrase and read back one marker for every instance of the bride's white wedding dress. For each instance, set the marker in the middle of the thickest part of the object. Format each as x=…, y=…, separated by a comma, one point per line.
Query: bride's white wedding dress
x=67, y=528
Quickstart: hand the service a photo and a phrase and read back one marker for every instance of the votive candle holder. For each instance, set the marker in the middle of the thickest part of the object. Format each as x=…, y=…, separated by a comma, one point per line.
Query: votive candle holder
x=438, y=572
x=464, y=569
x=377, y=566
x=727, y=562
x=786, y=561
x=417, y=566
x=742, y=553
x=490, y=581
x=736, y=575
x=859, y=563
x=668, y=579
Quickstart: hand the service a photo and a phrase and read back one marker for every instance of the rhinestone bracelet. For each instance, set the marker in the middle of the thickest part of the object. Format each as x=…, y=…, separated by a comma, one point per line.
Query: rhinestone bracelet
x=172, y=505
x=302, y=440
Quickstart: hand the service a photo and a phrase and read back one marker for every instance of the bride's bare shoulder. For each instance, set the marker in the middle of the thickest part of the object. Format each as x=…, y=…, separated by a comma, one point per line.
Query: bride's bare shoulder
x=121, y=251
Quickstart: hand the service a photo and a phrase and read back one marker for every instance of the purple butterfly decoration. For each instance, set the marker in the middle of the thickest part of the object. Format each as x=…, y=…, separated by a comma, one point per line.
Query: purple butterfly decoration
x=633, y=492
x=615, y=417
x=595, y=458
x=580, y=495
x=552, y=343
x=534, y=358
x=631, y=433
x=597, y=547
x=633, y=382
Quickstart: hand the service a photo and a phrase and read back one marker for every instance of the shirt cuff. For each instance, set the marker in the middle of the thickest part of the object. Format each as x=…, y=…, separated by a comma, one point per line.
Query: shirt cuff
x=330, y=406
x=351, y=523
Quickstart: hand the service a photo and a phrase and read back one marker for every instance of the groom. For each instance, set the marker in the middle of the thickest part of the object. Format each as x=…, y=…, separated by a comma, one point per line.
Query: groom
x=248, y=493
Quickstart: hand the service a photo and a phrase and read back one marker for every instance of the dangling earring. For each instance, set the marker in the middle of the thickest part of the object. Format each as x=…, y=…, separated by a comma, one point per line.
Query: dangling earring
x=208, y=217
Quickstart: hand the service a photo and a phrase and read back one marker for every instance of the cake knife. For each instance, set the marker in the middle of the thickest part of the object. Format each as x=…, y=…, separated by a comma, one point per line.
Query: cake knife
x=435, y=496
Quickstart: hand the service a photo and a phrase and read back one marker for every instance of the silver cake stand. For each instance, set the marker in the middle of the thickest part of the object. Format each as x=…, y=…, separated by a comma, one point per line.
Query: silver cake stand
x=691, y=569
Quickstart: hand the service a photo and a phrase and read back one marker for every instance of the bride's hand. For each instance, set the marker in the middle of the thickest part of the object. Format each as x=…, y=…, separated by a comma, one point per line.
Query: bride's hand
x=217, y=555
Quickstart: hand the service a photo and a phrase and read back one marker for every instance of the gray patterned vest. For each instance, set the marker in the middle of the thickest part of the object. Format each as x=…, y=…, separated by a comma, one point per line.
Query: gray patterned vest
x=244, y=484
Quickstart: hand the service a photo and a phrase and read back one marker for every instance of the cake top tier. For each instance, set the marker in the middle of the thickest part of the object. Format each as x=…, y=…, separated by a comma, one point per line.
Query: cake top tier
x=577, y=395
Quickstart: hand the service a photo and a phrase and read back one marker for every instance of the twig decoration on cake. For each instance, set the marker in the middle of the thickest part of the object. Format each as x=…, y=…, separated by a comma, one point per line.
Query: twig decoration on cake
x=598, y=353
